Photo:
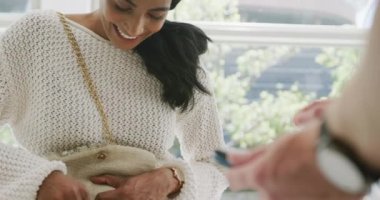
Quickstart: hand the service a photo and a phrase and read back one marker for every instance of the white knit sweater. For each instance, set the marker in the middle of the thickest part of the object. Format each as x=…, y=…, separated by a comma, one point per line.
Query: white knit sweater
x=44, y=98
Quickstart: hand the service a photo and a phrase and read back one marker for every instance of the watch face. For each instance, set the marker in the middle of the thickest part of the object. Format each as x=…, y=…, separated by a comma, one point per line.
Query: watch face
x=340, y=171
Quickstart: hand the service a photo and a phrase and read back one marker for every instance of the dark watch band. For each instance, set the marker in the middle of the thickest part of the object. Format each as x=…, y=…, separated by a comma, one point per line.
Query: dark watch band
x=370, y=174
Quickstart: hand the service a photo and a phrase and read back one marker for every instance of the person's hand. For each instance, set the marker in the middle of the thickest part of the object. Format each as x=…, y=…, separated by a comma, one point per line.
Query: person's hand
x=153, y=185
x=310, y=112
x=285, y=170
x=58, y=186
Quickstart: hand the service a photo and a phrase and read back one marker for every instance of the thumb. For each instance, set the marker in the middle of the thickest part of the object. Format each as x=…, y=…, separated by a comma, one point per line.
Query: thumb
x=113, y=181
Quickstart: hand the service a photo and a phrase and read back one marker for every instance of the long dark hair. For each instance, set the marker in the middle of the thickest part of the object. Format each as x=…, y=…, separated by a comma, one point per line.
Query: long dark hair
x=172, y=56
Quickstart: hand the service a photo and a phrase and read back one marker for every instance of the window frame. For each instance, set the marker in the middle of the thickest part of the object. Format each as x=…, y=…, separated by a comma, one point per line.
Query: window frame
x=284, y=34
x=254, y=33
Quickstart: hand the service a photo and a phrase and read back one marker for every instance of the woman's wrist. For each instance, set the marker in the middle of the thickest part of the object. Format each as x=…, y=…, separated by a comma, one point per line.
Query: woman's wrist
x=348, y=128
x=174, y=180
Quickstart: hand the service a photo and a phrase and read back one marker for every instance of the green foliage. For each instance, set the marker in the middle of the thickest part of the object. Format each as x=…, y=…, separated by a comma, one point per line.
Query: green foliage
x=254, y=61
x=6, y=135
x=261, y=121
x=254, y=122
x=251, y=123
x=342, y=61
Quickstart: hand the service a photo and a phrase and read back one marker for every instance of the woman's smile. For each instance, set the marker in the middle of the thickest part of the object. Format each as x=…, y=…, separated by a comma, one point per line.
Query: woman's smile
x=123, y=36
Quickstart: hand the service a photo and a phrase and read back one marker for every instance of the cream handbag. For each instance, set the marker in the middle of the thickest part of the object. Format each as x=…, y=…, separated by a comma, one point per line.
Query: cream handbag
x=87, y=161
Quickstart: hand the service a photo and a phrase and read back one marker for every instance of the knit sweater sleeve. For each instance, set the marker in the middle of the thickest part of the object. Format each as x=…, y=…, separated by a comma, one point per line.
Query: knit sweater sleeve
x=21, y=172
x=200, y=133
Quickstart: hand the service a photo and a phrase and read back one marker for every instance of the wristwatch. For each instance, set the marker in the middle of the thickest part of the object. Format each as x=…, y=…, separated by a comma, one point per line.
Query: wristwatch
x=341, y=166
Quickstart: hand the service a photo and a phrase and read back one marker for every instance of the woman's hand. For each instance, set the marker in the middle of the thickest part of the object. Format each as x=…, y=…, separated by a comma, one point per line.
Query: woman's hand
x=310, y=112
x=58, y=186
x=153, y=185
x=285, y=170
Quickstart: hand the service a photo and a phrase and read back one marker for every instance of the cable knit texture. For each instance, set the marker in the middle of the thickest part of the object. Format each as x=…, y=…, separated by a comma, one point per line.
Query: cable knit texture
x=44, y=98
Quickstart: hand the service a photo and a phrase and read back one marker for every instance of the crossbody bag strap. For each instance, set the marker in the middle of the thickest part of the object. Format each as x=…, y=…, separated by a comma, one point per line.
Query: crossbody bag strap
x=87, y=78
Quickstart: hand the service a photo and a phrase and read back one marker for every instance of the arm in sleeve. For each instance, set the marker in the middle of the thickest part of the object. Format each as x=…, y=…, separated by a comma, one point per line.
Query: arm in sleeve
x=21, y=172
x=200, y=134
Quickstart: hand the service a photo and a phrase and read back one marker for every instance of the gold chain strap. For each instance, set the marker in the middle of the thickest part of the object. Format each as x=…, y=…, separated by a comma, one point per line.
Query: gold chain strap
x=86, y=75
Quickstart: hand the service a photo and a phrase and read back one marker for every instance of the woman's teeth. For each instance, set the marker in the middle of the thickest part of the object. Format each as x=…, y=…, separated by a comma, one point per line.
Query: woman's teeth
x=125, y=35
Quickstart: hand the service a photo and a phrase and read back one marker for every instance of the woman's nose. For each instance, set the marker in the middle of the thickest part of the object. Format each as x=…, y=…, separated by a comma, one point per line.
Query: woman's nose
x=135, y=27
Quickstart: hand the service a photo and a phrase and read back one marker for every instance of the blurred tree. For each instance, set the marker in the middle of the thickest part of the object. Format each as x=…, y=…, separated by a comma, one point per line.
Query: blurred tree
x=251, y=122
x=343, y=61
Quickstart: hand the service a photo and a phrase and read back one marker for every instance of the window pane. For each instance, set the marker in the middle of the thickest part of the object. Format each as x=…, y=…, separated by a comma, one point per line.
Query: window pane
x=321, y=12
x=313, y=12
x=259, y=88
x=13, y=6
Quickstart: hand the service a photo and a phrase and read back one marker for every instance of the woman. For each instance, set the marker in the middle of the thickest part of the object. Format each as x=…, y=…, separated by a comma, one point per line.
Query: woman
x=146, y=72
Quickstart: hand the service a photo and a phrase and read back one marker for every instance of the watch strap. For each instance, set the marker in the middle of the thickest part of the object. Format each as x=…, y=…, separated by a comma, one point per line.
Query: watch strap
x=370, y=174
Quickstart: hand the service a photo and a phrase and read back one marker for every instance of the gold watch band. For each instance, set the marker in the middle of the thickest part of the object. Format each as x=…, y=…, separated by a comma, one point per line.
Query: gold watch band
x=179, y=180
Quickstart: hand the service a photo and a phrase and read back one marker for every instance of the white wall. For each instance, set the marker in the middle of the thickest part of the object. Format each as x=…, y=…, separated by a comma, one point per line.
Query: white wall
x=66, y=5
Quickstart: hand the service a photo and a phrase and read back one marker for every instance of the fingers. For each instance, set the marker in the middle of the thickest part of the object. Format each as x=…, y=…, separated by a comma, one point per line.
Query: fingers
x=84, y=194
x=312, y=111
x=261, y=168
x=240, y=158
x=253, y=169
x=247, y=176
x=113, y=181
x=59, y=186
x=108, y=195
x=78, y=194
x=304, y=116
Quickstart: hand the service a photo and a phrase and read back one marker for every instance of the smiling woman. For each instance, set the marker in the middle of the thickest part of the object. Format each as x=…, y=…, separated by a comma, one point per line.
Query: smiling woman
x=126, y=24
x=122, y=72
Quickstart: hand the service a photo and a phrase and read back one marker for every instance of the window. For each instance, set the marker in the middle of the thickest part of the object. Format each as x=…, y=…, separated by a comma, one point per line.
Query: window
x=15, y=6
x=270, y=58
x=260, y=87
x=11, y=10
x=311, y=12
x=322, y=12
